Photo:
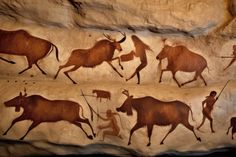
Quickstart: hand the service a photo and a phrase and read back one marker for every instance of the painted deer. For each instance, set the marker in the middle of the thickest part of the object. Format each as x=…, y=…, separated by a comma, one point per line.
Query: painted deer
x=102, y=51
x=182, y=59
x=21, y=43
x=151, y=111
x=39, y=109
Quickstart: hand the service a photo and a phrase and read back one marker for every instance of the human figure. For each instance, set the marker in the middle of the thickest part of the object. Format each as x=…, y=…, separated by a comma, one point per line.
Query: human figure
x=234, y=57
x=110, y=128
x=140, y=52
x=207, y=109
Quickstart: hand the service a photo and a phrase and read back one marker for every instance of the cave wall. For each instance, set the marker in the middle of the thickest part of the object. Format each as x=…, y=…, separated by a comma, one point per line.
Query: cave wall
x=203, y=27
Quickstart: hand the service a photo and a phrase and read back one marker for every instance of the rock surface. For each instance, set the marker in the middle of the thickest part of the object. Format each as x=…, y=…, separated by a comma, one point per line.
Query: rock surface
x=204, y=27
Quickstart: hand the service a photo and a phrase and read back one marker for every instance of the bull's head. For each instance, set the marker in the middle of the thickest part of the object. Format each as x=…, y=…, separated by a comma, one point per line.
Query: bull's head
x=115, y=43
x=127, y=105
x=16, y=102
x=164, y=52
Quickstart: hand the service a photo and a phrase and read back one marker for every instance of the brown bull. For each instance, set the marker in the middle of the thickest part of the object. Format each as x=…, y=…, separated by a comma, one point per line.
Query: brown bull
x=182, y=59
x=102, y=51
x=39, y=109
x=21, y=43
x=102, y=94
x=151, y=111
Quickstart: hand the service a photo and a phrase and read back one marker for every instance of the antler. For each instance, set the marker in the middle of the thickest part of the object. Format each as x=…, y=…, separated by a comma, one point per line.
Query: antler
x=108, y=37
x=123, y=39
x=125, y=92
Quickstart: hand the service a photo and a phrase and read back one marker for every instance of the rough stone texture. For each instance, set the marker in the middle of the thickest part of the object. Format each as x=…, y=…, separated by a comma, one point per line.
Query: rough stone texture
x=205, y=27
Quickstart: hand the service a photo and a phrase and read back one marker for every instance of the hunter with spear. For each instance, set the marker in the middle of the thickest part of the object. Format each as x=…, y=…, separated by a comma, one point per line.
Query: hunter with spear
x=207, y=109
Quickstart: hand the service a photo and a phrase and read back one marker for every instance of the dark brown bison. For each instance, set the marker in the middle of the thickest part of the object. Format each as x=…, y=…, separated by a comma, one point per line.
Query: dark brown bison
x=39, y=109
x=102, y=51
x=233, y=125
x=102, y=94
x=151, y=111
x=21, y=43
x=181, y=58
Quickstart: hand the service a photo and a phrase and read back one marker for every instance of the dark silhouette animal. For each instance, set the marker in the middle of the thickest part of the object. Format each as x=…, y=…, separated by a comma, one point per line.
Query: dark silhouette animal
x=102, y=94
x=39, y=109
x=102, y=51
x=21, y=43
x=151, y=111
x=233, y=126
x=181, y=58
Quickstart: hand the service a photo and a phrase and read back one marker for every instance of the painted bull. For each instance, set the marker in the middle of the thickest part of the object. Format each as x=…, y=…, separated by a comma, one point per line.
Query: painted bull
x=102, y=51
x=182, y=59
x=102, y=94
x=21, y=43
x=151, y=111
x=39, y=109
x=233, y=126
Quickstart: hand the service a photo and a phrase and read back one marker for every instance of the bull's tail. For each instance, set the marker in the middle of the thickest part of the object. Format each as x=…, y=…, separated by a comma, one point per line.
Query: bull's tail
x=191, y=113
x=56, y=52
x=208, y=69
x=82, y=112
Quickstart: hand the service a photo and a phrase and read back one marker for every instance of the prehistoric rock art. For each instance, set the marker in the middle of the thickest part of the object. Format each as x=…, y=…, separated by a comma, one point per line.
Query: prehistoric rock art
x=39, y=109
x=21, y=43
x=181, y=58
x=102, y=51
x=111, y=128
x=102, y=94
x=151, y=111
x=127, y=57
x=233, y=57
x=140, y=51
x=206, y=110
x=233, y=126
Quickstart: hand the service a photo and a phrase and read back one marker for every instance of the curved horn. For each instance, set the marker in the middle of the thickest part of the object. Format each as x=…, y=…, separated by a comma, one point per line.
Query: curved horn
x=125, y=92
x=108, y=37
x=123, y=39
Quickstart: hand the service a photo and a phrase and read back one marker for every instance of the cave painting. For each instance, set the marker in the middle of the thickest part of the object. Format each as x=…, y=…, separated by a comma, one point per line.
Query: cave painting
x=111, y=127
x=102, y=94
x=233, y=126
x=208, y=108
x=21, y=43
x=181, y=58
x=140, y=51
x=39, y=109
x=127, y=57
x=151, y=111
x=102, y=51
x=233, y=57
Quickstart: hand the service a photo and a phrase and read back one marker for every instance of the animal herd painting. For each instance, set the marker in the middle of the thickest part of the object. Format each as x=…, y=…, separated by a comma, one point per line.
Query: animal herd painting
x=113, y=108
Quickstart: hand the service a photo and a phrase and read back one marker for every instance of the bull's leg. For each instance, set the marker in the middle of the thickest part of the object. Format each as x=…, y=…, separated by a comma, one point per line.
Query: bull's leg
x=30, y=66
x=73, y=69
x=173, y=73
x=40, y=69
x=79, y=125
x=115, y=69
x=61, y=67
x=7, y=60
x=118, y=58
x=194, y=79
x=162, y=71
x=228, y=130
x=33, y=125
x=87, y=122
x=136, y=127
x=20, y=118
x=190, y=127
x=203, y=79
x=171, y=129
x=30, y=63
x=149, y=127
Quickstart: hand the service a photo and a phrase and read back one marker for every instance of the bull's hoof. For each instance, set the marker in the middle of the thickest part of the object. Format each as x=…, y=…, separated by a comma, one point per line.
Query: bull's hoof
x=74, y=83
x=21, y=138
x=160, y=81
x=90, y=137
x=12, y=62
x=212, y=131
x=122, y=68
x=94, y=135
x=138, y=83
x=129, y=143
x=126, y=80
x=199, y=139
x=4, y=133
x=227, y=133
x=161, y=143
x=148, y=144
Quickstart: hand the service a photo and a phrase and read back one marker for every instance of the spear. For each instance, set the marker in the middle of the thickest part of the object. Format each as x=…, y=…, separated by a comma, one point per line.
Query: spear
x=225, y=56
x=90, y=108
x=222, y=89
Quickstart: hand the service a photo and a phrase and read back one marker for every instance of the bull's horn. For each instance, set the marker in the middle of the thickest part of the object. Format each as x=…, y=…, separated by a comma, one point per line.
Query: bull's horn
x=123, y=39
x=108, y=37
